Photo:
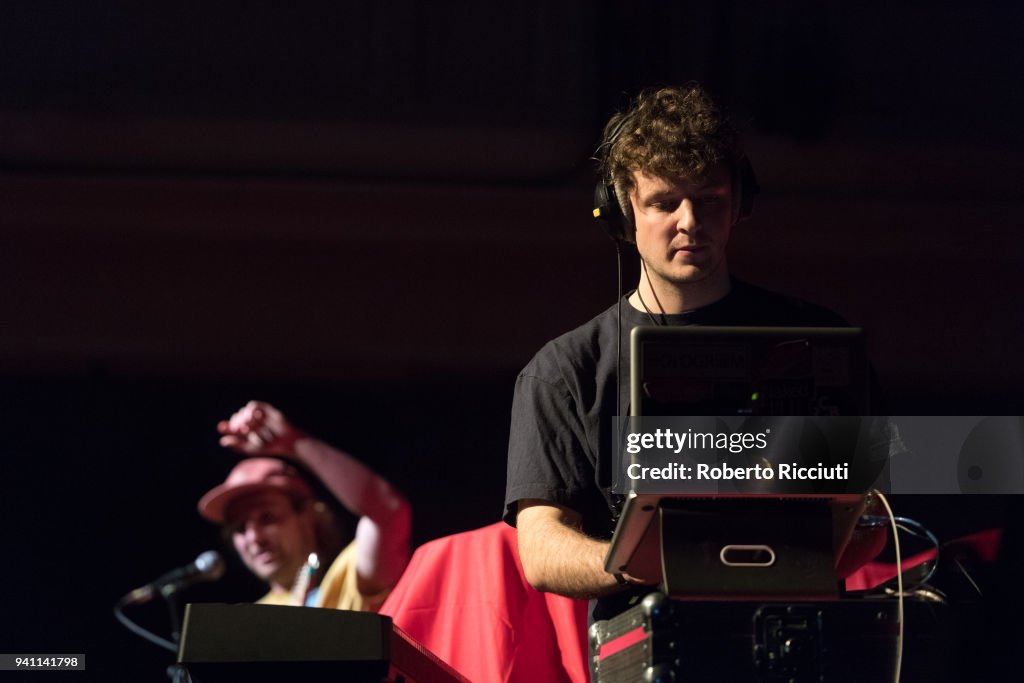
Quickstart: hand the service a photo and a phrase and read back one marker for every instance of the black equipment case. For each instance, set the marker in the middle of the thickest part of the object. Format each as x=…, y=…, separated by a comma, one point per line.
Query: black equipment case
x=841, y=641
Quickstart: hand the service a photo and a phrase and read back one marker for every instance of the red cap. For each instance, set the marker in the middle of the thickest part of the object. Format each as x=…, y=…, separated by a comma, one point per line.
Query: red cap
x=252, y=475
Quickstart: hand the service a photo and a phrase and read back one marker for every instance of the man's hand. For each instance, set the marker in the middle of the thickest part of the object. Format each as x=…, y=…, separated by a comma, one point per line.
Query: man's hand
x=259, y=429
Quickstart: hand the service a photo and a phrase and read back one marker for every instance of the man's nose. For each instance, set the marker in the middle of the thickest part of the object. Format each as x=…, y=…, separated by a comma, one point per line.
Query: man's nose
x=686, y=216
x=252, y=532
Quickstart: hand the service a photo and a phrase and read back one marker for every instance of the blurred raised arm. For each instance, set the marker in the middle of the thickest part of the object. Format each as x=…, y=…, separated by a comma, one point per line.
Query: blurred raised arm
x=385, y=517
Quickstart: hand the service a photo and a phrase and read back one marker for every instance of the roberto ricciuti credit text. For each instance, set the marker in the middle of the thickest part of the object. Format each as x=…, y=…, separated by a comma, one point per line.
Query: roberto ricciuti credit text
x=788, y=471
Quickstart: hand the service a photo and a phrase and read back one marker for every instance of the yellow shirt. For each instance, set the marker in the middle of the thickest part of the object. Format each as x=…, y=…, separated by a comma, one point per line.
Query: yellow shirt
x=338, y=590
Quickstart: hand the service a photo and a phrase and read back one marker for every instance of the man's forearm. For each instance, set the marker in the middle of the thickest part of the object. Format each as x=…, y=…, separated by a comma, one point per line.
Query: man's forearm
x=559, y=559
x=356, y=486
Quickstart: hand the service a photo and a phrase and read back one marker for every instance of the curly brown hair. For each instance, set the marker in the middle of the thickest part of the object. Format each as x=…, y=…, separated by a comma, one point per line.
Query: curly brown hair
x=673, y=132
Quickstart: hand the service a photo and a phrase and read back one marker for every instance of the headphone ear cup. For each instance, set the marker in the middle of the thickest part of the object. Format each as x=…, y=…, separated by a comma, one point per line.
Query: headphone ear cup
x=745, y=190
x=609, y=213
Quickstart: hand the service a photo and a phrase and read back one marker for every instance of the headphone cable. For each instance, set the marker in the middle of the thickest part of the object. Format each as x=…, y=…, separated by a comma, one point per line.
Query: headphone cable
x=661, y=313
x=618, y=331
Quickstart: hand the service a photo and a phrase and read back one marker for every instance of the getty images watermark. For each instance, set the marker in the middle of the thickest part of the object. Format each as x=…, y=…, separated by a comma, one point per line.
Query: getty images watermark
x=818, y=455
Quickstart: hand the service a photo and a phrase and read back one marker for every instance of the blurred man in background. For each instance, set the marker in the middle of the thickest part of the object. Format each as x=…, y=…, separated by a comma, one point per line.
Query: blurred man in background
x=288, y=537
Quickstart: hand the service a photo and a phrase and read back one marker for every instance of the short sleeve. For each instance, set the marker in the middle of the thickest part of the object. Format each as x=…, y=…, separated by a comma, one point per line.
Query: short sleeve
x=547, y=456
x=340, y=590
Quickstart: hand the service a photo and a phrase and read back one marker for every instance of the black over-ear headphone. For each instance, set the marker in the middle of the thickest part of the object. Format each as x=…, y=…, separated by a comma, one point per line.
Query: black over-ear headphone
x=608, y=210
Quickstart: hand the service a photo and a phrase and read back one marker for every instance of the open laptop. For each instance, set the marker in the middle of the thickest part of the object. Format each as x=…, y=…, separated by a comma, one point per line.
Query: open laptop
x=742, y=546
x=696, y=370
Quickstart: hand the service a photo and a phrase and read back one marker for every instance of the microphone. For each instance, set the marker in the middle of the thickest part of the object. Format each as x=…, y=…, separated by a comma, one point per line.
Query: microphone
x=209, y=566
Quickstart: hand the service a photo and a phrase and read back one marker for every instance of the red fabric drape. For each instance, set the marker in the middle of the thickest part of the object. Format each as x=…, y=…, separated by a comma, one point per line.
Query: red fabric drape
x=465, y=598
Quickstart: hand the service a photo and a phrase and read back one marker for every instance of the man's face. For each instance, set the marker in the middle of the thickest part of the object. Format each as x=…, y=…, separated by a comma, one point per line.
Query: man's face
x=272, y=539
x=683, y=226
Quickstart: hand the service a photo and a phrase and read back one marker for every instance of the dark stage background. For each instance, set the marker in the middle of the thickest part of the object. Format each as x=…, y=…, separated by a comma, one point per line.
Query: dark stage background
x=373, y=214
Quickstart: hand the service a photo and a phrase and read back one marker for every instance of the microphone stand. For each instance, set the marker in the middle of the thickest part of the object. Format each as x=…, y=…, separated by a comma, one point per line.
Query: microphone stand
x=175, y=672
x=207, y=567
x=171, y=599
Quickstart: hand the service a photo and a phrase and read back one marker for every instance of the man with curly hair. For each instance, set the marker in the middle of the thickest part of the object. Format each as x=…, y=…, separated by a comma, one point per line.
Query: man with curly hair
x=674, y=164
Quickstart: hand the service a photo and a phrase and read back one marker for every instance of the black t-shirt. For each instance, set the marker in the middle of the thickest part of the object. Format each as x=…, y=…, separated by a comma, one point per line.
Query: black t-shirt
x=566, y=396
